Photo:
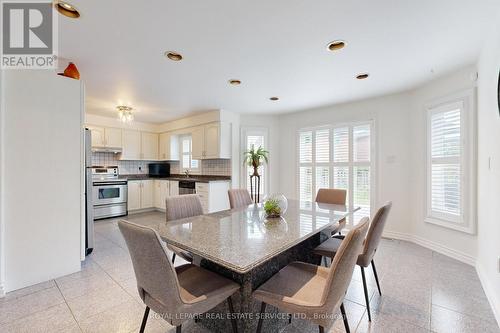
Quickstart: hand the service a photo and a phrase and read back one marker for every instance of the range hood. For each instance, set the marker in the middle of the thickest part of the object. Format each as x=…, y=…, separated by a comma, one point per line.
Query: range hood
x=107, y=150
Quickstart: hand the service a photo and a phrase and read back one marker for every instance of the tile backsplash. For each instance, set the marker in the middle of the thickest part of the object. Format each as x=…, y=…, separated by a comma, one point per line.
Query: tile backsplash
x=216, y=167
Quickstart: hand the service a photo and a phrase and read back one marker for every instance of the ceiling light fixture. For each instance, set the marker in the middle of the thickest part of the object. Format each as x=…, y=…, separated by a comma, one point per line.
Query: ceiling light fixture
x=362, y=76
x=234, y=82
x=336, y=45
x=66, y=9
x=174, y=56
x=274, y=98
x=125, y=113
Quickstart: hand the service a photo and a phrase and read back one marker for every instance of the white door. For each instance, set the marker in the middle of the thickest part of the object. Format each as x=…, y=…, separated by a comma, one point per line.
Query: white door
x=131, y=145
x=97, y=135
x=147, y=194
x=174, y=187
x=197, y=145
x=149, y=146
x=212, y=141
x=134, y=194
x=113, y=137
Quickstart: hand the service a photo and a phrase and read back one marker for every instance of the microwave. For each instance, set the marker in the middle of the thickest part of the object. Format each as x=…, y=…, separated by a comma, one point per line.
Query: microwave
x=159, y=170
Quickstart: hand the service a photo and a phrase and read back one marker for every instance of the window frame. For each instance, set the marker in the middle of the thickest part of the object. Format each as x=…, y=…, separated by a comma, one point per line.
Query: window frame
x=190, y=153
x=466, y=222
x=351, y=164
x=258, y=131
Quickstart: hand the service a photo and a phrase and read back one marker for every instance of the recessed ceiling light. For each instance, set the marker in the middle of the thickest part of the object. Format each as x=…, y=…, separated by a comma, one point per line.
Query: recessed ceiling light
x=66, y=9
x=362, y=76
x=234, y=82
x=336, y=45
x=274, y=98
x=174, y=56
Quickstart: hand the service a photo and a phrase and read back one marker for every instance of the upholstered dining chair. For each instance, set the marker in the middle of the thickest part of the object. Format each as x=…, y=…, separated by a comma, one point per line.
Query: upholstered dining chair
x=332, y=246
x=179, y=207
x=316, y=291
x=333, y=196
x=173, y=293
x=239, y=198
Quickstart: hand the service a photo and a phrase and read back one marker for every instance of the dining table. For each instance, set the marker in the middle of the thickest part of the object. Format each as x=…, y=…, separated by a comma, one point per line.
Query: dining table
x=245, y=246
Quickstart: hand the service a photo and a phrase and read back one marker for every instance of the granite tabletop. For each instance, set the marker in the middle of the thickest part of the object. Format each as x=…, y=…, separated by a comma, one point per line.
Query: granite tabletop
x=241, y=239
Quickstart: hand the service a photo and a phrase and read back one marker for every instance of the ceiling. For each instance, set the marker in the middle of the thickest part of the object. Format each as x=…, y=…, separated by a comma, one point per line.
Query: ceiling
x=276, y=48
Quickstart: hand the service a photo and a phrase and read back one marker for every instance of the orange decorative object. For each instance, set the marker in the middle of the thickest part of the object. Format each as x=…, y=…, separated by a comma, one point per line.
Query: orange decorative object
x=72, y=72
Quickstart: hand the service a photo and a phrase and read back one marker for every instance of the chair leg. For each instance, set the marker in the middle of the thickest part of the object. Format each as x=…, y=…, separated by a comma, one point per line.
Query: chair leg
x=173, y=258
x=231, y=310
x=144, y=320
x=324, y=261
x=261, y=318
x=321, y=329
x=289, y=318
x=344, y=318
x=366, y=293
x=376, y=277
x=178, y=329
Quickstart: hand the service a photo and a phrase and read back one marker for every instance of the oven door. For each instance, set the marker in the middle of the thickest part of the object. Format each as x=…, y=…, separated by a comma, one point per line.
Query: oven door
x=109, y=193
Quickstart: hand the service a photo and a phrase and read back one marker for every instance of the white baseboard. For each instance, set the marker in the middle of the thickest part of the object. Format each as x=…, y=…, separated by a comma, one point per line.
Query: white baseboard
x=458, y=255
x=493, y=298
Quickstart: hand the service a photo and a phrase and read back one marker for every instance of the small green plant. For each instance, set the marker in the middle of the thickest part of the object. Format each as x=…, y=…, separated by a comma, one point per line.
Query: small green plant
x=272, y=208
x=255, y=157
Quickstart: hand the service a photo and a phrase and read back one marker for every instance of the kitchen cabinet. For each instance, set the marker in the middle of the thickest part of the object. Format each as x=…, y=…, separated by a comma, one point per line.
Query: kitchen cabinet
x=105, y=137
x=211, y=141
x=169, y=147
x=131, y=149
x=149, y=146
x=161, y=192
x=174, y=187
x=97, y=135
x=140, y=194
x=213, y=196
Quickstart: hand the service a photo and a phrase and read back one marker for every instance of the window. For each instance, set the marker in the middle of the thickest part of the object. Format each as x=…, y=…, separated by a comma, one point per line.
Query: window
x=258, y=138
x=450, y=170
x=187, y=162
x=337, y=157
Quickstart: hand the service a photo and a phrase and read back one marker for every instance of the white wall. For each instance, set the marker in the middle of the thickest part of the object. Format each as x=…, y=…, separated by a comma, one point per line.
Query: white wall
x=457, y=243
x=391, y=124
x=488, y=252
x=41, y=197
x=2, y=227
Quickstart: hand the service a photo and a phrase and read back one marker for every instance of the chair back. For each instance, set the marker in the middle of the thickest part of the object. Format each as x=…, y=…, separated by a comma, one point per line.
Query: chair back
x=374, y=235
x=156, y=277
x=331, y=196
x=182, y=206
x=239, y=198
x=342, y=268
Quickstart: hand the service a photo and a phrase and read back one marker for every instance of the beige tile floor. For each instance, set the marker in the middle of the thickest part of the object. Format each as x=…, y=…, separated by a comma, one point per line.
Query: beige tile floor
x=423, y=291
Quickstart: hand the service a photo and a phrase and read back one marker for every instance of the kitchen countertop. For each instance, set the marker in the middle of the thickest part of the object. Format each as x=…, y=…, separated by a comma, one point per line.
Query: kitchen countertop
x=195, y=178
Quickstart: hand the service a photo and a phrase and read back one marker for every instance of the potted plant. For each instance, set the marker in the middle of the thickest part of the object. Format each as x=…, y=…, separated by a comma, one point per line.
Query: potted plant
x=275, y=205
x=255, y=158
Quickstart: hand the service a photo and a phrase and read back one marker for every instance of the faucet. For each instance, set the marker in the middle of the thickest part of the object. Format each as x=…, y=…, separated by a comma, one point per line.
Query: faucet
x=186, y=172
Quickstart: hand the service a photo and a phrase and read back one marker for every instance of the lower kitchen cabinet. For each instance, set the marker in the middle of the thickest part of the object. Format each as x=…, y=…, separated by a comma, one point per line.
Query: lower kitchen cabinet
x=140, y=194
x=161, y=192
x=174, y=187
x=213, y=196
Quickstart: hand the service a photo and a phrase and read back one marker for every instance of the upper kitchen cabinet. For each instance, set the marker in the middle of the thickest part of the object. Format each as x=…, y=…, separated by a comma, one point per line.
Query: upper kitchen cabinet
x=105, y=137
x=169, y=147
x=97, y=136
x=131, y=145
x=149, y=146
x=211, y=141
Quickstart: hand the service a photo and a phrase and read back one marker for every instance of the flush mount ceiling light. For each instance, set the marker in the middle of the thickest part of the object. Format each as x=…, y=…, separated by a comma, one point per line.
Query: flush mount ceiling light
x=336, y=45
x=274, y=98
x=174, y=56
x=234, y=82
x=362, y=76
x=125, y=113
x=66, y=9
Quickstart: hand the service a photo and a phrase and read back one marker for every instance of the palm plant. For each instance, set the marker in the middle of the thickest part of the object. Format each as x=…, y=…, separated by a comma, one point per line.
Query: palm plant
x=255, y=157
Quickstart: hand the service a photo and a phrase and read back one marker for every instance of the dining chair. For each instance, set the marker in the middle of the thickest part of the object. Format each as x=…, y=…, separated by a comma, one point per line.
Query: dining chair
x=314, y=291
x=239, y=198
x=332, y=246
x=175, y=294
x=333, y=196
x=179, y=207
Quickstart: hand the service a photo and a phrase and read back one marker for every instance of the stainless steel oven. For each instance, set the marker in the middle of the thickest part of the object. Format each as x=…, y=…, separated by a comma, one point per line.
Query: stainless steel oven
x=109, y=193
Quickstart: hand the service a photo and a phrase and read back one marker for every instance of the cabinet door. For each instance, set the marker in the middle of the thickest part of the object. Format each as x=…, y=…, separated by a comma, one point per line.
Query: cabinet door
x=164, y=193
x=164, y=146
x=198, y=143
x=147, y=194
x=134, y=195
x=157, y=193
x=113, y=137
x=149, y=146
x=174, y=187
x=97, y=135
x=131, y=141
x=212, y=141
